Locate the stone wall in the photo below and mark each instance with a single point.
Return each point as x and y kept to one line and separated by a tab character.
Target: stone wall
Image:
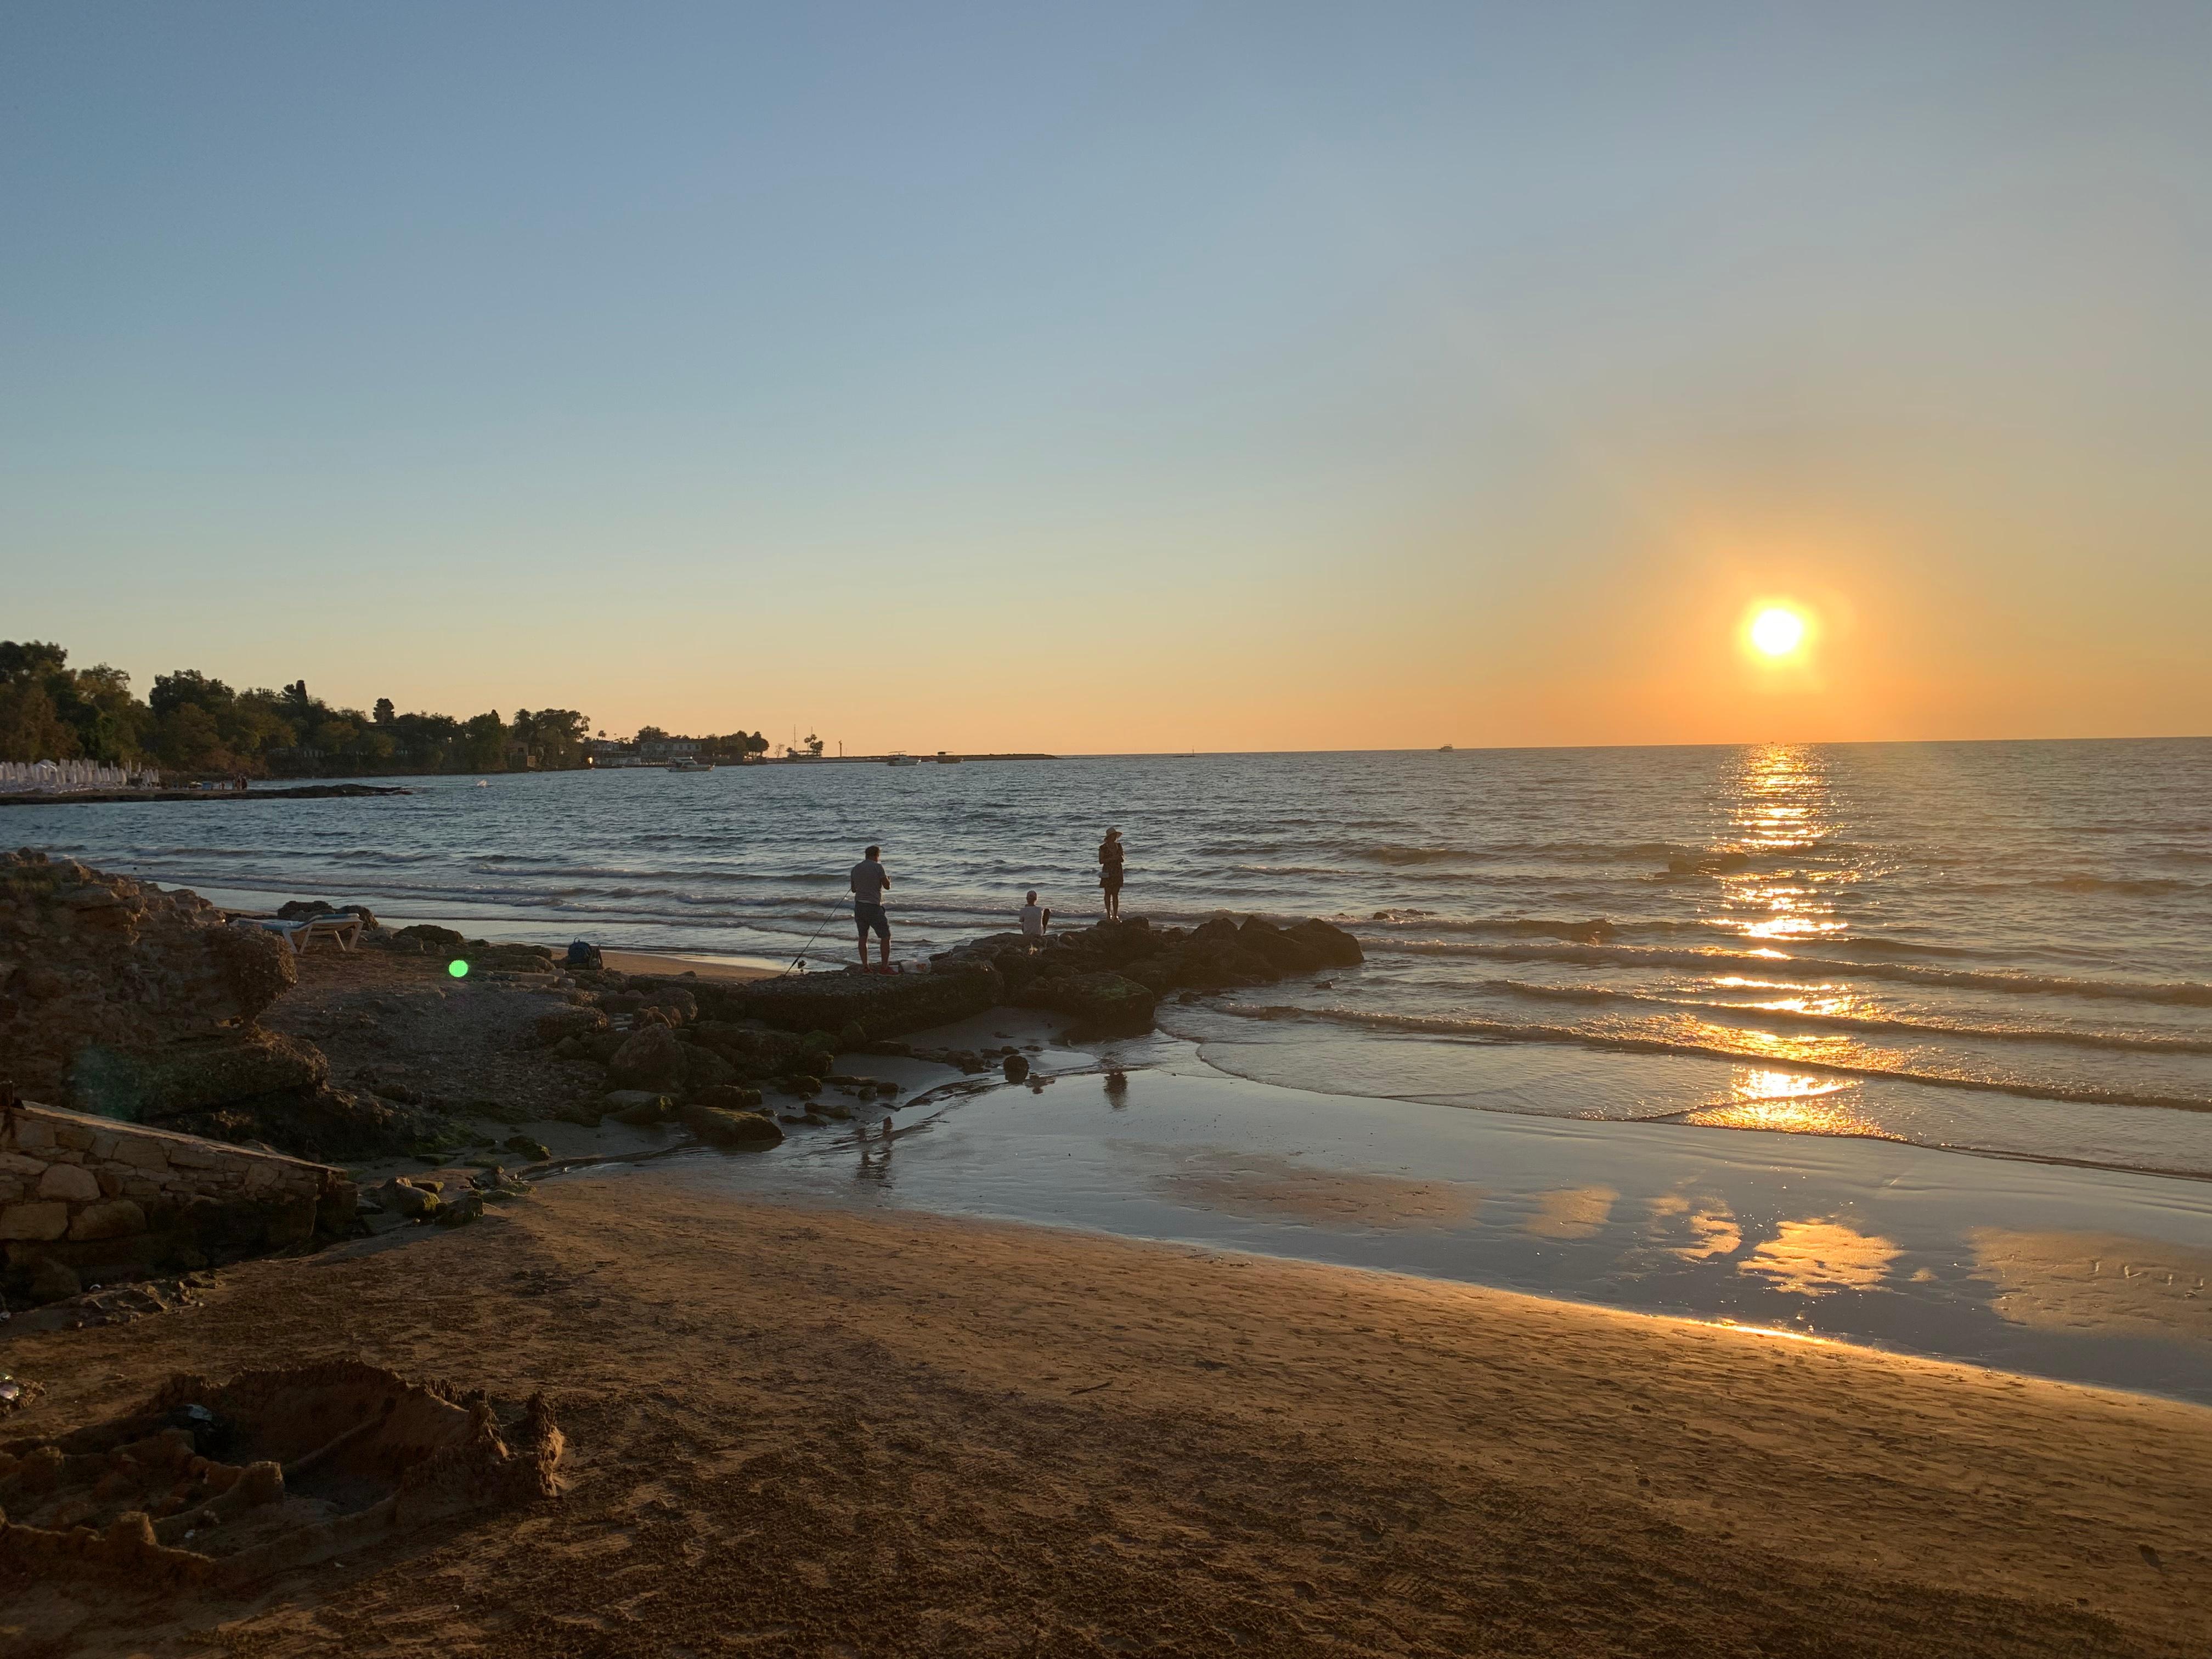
82	1195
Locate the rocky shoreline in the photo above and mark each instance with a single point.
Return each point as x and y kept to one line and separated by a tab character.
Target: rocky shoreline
138	1006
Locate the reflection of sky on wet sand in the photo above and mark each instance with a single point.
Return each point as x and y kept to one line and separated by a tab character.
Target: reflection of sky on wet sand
1571	1212
1819	1258
2098	1282
1280	1188
1695	1230
2018	1264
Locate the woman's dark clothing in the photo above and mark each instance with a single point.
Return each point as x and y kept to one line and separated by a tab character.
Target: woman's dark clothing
1110	866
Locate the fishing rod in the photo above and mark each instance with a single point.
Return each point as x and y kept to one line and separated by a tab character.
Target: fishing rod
798	961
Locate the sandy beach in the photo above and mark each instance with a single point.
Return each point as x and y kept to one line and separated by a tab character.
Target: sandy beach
804	1433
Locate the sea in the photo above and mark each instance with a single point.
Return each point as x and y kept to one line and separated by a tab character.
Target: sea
2002	948
1908	1045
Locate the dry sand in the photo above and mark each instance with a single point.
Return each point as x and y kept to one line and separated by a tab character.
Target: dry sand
798	1432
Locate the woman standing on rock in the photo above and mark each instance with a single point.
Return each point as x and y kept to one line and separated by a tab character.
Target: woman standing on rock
1110	874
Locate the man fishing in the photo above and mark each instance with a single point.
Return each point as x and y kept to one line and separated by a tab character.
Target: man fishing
870	883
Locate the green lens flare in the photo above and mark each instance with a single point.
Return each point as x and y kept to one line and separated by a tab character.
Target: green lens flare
458	969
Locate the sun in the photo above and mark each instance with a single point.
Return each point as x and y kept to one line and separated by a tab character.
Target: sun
1777	630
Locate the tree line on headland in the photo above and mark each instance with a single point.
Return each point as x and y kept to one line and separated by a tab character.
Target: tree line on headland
191	724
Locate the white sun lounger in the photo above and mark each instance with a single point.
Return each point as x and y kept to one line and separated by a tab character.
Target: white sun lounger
342	926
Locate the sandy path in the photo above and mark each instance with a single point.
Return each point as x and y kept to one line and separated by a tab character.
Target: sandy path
808	1433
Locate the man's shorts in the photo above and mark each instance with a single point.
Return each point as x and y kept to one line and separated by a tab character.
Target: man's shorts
871	915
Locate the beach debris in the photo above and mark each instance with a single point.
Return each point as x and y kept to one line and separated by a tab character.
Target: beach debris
221	1485
15	1393
2150	1557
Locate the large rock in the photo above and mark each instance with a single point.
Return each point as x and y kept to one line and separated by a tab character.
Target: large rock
90	959
403	1198
194	1076
1102	1004
1108	978
653	1059
752	1130
881	1005
118	1218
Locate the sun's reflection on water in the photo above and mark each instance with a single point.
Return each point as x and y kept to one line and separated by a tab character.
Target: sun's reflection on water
1780	806
1797	1102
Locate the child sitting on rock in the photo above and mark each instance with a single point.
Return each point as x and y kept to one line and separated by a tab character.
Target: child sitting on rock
1035	922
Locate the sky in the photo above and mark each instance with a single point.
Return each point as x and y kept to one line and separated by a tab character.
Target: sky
1083	378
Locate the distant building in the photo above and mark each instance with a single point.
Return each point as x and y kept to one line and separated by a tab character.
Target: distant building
665	749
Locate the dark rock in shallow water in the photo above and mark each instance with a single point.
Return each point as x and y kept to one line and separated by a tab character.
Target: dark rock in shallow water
1107	979
1102	1004
1016	1068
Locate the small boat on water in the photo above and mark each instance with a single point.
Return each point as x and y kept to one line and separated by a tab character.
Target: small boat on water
1444	748
900	757
943	759
685	764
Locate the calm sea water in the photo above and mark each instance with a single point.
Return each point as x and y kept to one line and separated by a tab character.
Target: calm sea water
2000	947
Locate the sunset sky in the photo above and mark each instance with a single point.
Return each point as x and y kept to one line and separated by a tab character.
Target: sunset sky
1130	377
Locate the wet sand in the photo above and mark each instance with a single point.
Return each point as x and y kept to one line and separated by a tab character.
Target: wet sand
820	1431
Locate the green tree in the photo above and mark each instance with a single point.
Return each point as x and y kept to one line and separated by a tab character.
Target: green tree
33	725
31	728
112	725
483	742
190	741
31	657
